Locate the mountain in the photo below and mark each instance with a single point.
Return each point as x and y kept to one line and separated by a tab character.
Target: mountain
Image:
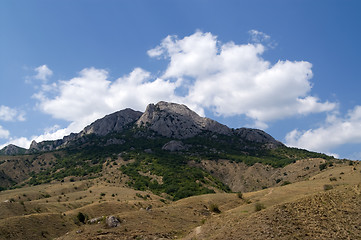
169	173
167	142
12	150
114	122
169	120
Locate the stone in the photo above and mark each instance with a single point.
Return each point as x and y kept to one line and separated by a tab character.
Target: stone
94	220
112	221
148	150
174	146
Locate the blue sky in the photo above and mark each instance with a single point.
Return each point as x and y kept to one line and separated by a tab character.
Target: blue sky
288	67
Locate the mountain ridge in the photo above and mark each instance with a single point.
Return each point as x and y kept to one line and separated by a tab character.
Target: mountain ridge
170	120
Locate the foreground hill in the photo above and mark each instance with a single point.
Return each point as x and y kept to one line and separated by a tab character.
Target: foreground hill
325	206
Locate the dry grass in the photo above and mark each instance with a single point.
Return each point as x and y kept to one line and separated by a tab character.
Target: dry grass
49	211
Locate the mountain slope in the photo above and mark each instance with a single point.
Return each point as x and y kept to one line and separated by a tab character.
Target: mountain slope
304	210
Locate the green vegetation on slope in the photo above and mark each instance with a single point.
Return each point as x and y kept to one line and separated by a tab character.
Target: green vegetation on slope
178	179
175	177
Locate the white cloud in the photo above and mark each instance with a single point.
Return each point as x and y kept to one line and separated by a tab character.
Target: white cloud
233	79
225	78
52	133
261	37
4	133
43	73
21	142
257	36
336	131
10	114
90	96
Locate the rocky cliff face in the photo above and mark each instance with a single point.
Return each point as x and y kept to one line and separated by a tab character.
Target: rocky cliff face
258	136
12	150
178	121
114	122
170	120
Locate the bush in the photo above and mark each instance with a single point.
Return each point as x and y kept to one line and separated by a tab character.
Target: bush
285	183
323	166
327	187
214	208
81	217
240	195
259	206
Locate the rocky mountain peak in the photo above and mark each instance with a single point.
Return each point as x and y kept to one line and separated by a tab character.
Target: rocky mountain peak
12	150
177	121
114	122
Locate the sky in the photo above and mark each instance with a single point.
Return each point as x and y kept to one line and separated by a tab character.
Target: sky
290	68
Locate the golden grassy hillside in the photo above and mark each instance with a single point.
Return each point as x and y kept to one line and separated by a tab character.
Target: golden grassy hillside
301	210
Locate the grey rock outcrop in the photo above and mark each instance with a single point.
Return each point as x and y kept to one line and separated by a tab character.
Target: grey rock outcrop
114	122
257	136
114	141
174	146
178	121
112	221
12	150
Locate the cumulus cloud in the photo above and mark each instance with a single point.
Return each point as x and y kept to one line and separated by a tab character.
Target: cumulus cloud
51	133
21	142
335	131
4	133
43	73
83	99
10	114
233	79
227	78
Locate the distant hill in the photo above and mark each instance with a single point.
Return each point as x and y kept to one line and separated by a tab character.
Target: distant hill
12	150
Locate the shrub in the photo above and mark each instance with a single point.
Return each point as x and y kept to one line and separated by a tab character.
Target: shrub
327	187
240	195
259	206
214	208
285	183
81	217
323	166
